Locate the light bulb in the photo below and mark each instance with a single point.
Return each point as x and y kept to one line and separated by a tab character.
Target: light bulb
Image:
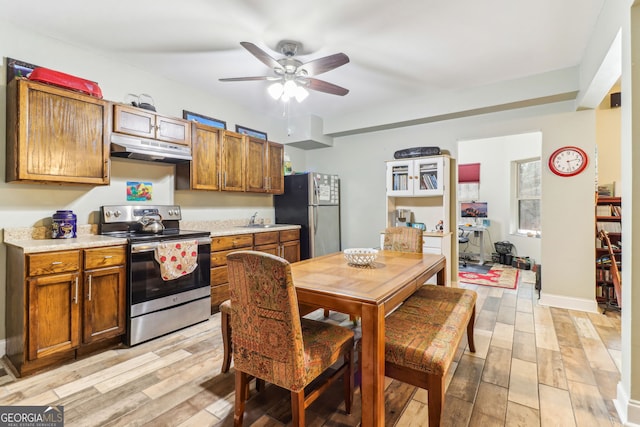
290	88
301	94
275	90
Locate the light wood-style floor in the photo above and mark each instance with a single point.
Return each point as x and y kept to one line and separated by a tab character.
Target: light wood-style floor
534	366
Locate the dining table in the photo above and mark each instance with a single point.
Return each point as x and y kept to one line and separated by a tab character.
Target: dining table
369	292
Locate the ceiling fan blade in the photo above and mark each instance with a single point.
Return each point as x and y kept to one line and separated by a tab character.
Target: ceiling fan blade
261	55
247	79
322	86
322	65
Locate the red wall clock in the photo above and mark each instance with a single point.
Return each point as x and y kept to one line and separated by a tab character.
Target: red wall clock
568	161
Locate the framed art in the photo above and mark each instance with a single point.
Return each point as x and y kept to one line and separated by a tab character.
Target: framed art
210	121
251	132
17	68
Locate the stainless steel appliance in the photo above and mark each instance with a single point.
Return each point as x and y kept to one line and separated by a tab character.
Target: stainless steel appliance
156	306
311	200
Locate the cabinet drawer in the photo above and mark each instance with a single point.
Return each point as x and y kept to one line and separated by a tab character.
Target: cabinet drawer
289	235
220	258
231	242
219	275
104	257
53	262
265	238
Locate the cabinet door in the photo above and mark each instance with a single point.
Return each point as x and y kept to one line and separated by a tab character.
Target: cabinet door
276	171
56	135
257	164
400	178
291	251
104	313
54	314
428	176
273	249
134	121
173	130
203	172
232	162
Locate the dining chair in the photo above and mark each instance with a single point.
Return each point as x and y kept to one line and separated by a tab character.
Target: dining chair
403	239
271	342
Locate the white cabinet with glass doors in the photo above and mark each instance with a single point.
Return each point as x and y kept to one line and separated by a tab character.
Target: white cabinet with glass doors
416	177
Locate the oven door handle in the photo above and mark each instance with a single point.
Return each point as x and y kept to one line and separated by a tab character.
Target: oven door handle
151	246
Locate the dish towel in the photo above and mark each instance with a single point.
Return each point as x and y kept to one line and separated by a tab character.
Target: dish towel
177	259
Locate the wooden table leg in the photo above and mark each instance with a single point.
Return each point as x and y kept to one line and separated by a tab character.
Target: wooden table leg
372	386
441	280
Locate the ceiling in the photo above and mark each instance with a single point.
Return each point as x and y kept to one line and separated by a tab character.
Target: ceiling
399	49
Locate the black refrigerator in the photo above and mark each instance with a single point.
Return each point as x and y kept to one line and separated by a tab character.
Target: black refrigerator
311	200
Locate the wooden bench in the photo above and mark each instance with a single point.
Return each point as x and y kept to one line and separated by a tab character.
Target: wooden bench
422	336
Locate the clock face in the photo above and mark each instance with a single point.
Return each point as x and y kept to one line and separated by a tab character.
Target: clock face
568	161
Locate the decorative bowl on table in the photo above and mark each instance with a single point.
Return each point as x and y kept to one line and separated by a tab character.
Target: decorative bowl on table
360	256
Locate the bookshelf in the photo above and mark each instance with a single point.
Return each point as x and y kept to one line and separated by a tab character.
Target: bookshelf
608	218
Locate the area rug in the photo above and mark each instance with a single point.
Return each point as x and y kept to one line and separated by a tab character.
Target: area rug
501	276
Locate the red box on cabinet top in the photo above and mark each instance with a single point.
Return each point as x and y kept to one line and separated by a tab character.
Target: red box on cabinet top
67	81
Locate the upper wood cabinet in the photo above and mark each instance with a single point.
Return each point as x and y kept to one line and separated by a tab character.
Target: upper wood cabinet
264	166
56	135
147	124
203	172
233	161
218	161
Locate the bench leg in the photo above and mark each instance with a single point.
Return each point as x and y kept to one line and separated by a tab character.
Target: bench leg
225	325
435	398
470	325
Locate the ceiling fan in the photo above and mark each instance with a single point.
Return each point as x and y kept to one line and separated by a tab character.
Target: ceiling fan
291	76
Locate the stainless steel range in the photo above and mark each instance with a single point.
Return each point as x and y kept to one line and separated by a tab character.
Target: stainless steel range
160	300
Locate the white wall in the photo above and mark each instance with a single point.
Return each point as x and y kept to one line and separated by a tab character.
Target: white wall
495	156
567	203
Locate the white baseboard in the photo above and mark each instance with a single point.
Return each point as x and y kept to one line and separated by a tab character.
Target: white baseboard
628	410
570	303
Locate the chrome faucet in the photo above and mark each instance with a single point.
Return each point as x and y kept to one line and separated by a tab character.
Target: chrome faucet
252	220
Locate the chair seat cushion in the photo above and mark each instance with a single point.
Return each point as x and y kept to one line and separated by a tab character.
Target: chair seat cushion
322	345
424	332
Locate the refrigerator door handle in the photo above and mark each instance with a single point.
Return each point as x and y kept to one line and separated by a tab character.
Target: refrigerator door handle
315	219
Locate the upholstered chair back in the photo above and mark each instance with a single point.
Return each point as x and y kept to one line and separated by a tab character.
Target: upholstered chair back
403	239
267	333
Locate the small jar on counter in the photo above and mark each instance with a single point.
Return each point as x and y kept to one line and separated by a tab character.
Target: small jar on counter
63	225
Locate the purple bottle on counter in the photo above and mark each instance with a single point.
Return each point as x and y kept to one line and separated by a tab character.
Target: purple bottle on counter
64	225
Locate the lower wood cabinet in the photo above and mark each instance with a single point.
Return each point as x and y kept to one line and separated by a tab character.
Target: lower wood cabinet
58	305
220	247
285	243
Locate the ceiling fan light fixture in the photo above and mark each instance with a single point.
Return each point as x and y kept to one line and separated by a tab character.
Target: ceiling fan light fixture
290	88
276	90
301	93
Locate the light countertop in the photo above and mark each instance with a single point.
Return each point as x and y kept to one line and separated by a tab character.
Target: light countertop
34	239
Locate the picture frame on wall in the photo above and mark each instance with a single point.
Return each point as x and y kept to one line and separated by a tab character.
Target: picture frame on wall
17	68
205	120
251	132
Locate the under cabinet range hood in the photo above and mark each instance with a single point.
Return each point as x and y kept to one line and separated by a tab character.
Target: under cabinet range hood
131	147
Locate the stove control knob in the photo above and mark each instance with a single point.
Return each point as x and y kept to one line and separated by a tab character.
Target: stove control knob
117	213
170	212
107	214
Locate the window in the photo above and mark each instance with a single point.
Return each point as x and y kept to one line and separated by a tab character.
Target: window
527	197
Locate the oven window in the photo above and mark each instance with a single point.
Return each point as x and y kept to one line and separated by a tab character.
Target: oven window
147	284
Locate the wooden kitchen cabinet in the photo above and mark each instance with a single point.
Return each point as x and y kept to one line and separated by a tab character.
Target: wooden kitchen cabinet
56	135
285	243
220	248
104	312
264	166
233	161
56	309
136	121
203	172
